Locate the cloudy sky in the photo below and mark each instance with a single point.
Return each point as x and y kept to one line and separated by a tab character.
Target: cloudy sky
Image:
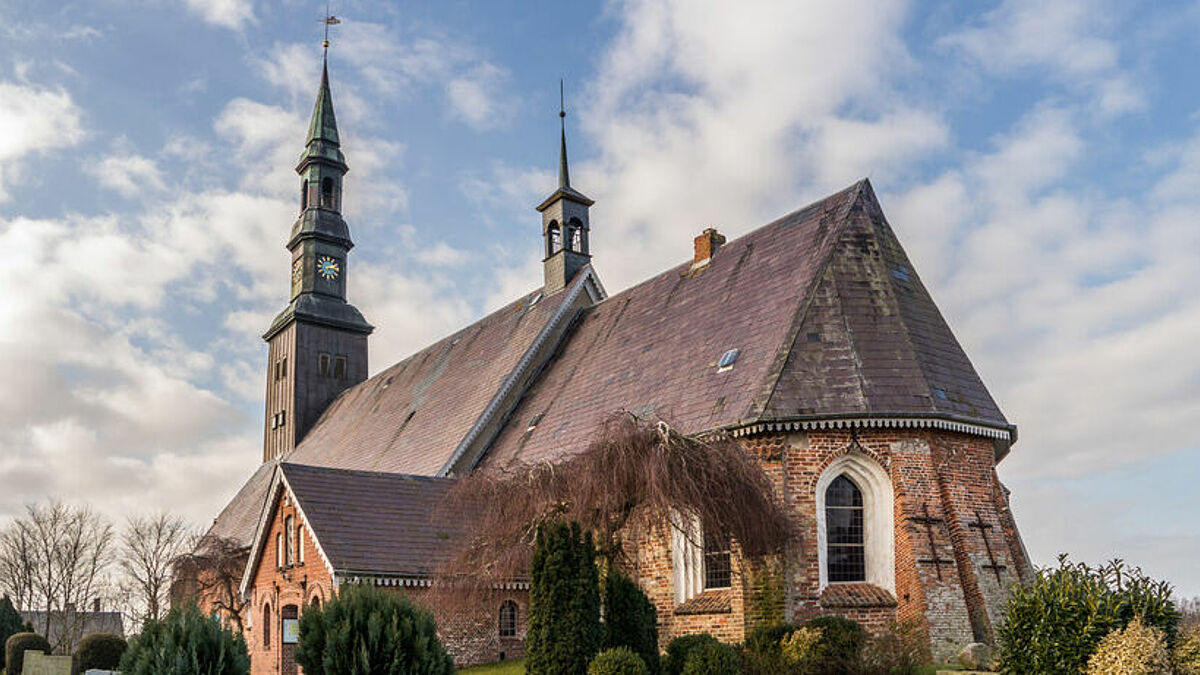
1040	162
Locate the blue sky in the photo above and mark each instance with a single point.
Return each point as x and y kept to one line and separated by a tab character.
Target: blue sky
1040	163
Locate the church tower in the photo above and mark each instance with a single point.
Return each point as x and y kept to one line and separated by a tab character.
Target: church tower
318	343
564	224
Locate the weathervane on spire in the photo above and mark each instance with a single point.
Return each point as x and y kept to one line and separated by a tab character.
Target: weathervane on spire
329	20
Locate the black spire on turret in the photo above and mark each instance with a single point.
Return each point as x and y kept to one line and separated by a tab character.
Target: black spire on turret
564	173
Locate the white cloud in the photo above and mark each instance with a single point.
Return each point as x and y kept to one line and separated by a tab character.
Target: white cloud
33	120
128	174
232	14
474	97
1069	38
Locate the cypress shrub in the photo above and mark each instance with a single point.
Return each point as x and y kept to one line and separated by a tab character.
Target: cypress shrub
713	658
102	651
617	661
185	642
679	649
564	602
15	646
365	631
630	619
10	624
1054	624
840	647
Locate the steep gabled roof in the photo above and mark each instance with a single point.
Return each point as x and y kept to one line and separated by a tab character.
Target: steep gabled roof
365	522
375	522
829	319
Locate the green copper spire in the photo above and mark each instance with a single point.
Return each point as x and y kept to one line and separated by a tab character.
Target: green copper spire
564	173
324	125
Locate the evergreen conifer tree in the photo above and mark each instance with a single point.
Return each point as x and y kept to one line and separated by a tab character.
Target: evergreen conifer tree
10	624
630	619
564	602
185	642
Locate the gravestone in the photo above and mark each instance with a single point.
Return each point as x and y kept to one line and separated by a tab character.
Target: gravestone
38	663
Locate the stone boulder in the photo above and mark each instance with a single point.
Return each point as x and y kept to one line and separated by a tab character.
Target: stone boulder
976	656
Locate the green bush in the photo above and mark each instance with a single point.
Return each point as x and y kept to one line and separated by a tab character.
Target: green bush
10	624
630	619
1187	652
617	661
900	650
564	602
1136	649
765	639
185	642
363	631
1054	624
679	649
15	646
713	658
102	651
841	645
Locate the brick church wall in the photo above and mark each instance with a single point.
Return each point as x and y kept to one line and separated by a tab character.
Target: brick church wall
946	501
469	629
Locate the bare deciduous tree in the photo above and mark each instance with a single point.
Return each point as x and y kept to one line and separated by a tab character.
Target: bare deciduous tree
148	549
212	572
627	482
55	559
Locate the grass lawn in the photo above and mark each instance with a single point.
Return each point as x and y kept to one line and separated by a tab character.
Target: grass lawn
503	668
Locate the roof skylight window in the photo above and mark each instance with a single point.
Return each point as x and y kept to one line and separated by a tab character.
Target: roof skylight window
727	360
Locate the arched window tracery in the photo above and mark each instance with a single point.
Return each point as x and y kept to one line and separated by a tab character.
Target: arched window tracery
508	619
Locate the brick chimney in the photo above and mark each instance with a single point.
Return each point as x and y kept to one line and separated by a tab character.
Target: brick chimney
96	605
706	246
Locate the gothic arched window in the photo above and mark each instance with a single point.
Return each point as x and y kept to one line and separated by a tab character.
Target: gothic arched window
553	239
576	236
289	529
266	626
303	194
844	532
508	619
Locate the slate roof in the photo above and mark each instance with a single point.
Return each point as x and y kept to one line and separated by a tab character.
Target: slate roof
829	318
827	314
410	417
376	522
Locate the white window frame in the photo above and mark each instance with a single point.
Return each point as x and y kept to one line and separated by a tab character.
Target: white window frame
687	556
879	535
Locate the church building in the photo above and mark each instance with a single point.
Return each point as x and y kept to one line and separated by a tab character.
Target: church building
811	340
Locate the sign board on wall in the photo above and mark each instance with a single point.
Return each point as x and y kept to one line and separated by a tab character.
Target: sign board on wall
291	631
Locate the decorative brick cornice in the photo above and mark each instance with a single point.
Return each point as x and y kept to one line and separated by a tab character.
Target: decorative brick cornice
945	423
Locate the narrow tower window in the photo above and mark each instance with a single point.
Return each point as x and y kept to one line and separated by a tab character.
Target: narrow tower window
339	368
576	231
267	626
289	527
303	195
844	531
553	239
327	193
323	365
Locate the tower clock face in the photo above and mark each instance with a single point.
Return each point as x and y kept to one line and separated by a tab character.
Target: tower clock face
328	268
297	270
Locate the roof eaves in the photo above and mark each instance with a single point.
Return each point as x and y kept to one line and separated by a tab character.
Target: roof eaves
260	531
